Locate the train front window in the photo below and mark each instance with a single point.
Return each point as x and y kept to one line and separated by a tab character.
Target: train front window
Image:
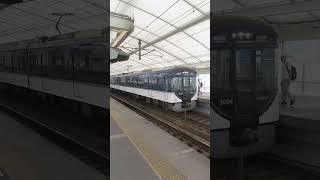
244	69
176	85
221	69
193	83
266	73
186	82
255	70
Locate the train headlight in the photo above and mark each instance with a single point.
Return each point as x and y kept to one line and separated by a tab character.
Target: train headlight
242	35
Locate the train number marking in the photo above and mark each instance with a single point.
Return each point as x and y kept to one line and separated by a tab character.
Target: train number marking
226	101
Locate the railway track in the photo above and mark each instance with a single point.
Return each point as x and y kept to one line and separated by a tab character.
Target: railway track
196	135
87	154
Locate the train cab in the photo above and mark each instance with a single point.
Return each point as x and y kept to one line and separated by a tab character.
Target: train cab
183	84
243	83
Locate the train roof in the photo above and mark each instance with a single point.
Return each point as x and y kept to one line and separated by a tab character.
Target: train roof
97	37
170	70
230	24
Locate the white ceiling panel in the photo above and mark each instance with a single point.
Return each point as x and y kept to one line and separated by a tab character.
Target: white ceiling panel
154	20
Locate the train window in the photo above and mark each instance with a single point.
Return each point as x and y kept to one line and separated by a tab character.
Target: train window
176	84
128	82
17	62
84	63
153	83
57	63
186	81
193	83
160	83
140	82
221	69
266	76
23	62
146	82
2	61
98	64
32	59
123	80
167	83
244	68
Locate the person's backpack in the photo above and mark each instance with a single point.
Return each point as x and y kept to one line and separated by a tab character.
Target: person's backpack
201	84
293	73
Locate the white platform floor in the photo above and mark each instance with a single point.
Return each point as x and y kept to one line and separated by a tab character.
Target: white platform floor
166	156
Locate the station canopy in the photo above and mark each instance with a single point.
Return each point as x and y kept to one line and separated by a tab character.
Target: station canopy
292	19
28	19
171	32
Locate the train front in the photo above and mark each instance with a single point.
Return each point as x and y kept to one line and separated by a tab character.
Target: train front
184	85
243	86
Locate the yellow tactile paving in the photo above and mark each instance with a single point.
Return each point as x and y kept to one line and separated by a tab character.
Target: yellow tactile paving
162	168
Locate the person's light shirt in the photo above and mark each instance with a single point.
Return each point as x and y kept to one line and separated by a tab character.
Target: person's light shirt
285	70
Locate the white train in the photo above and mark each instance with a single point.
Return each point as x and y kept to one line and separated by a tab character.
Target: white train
75	70
176	87
244	94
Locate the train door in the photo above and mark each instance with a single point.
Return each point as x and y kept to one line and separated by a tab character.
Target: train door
76	70
151	85
166	87
43	68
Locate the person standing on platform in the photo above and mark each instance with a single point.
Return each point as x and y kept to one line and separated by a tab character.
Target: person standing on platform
199	87
287	74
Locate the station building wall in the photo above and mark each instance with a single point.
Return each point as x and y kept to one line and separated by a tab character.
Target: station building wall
305	56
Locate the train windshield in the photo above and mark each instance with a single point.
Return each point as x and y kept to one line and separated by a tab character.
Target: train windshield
183	83
221	69
253	69
176	84
243	79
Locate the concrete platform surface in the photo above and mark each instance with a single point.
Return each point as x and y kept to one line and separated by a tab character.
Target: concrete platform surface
126	161
168	157
25	155
204	97
307	107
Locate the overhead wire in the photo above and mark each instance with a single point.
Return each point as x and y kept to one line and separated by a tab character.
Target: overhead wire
177	19
157	17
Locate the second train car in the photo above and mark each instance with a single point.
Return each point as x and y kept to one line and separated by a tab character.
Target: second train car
74	69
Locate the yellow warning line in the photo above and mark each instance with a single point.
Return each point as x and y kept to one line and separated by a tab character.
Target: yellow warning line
161	167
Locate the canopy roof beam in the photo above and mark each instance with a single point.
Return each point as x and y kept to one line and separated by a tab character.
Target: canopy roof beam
181	29
123	25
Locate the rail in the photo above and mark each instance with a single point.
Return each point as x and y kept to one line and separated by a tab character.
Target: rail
93	158
199	143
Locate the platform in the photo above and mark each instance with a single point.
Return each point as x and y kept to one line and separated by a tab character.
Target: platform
25	155
161	155
307	107
298	131
125	156
203	103
205	97
305	114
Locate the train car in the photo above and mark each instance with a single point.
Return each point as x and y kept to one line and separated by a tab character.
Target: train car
244	92
72	69
176	87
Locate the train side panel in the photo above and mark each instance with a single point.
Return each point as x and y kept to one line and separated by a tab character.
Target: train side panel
168	97
14	79
83	92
